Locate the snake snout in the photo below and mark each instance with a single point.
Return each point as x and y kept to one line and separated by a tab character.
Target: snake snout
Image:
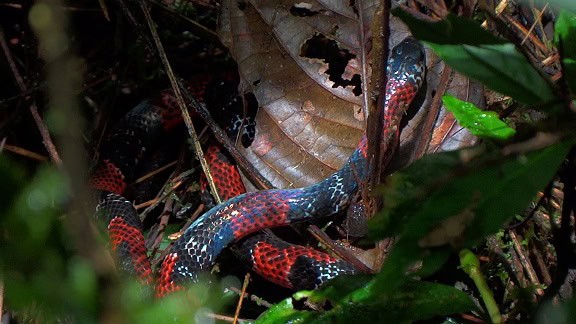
408	61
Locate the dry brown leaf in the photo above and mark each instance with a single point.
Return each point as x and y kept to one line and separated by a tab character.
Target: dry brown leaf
311	112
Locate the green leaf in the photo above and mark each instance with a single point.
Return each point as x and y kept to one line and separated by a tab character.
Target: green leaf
509	187
472	51
415	300
283	312
466	200
565	40
451	31
478	122
341	290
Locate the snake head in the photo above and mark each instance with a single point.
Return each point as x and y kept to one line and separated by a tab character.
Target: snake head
407	62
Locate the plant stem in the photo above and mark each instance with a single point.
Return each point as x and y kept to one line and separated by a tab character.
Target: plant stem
470	264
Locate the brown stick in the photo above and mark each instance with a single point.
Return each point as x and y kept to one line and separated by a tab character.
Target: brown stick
242	294
376	110
42	128
338	250
24	152
181	104
432	113
525	262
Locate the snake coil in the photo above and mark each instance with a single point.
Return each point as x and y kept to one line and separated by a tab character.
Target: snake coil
200	244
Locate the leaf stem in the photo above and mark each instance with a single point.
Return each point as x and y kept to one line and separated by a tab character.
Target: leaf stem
470	264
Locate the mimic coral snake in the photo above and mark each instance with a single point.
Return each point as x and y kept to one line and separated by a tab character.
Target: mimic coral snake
196	250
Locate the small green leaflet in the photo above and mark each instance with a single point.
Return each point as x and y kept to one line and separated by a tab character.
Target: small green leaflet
479	122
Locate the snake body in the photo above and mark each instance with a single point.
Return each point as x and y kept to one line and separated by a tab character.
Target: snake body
200	244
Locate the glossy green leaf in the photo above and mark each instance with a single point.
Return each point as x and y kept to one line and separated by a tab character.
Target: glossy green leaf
283	312
565	40
469	49
479	122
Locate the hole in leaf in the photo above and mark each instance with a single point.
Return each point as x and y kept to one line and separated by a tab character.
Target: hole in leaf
321	47
302	10
352	3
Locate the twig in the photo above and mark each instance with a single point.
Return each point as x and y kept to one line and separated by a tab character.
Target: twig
156	236
376	142
136	25
155	172
199	29
518	269
222	138
242	293
253	298
226	318
181	104
498	11
527	35
472	319
525	262
543	269
511	36
42	128
493	246
338	250
24	152
174	236
432	114
536	21
151	204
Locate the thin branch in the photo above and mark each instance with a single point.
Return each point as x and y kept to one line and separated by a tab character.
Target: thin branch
253	174
181	104
525	262
241	299
338	250
381	32
432	114
42	128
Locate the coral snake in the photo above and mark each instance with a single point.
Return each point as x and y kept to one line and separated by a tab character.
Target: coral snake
198	247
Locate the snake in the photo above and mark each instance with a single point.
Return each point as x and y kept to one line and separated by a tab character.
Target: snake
240	219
